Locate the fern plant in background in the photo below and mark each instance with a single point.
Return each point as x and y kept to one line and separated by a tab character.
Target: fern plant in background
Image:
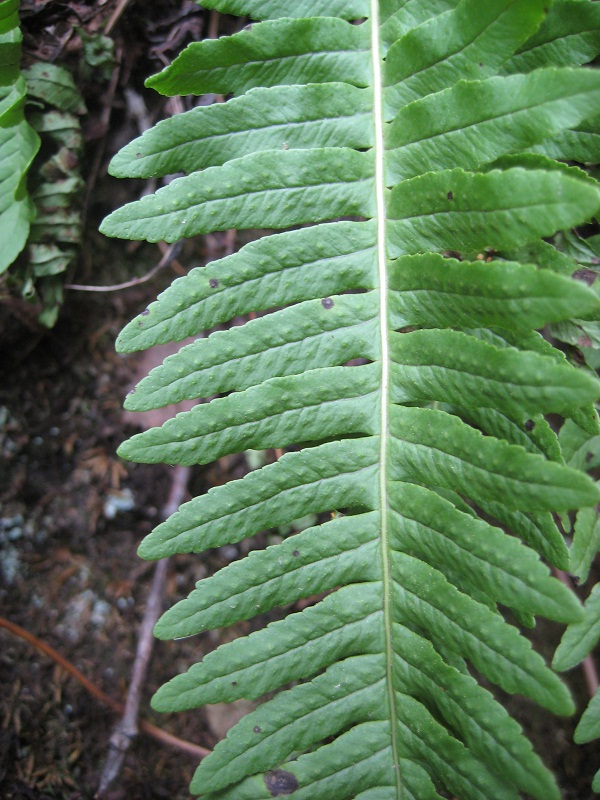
583	452
56	187
410	148
40	200
579	639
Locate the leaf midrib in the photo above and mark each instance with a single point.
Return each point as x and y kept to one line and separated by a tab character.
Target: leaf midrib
380	193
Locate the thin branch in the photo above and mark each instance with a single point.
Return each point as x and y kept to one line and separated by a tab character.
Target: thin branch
127	728
121	6
213	25
168	257
590	674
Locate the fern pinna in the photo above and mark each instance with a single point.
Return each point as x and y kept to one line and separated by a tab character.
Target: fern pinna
409	146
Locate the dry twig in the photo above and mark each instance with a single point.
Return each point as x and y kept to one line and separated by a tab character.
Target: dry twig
168	257
121	6
145	727
127	728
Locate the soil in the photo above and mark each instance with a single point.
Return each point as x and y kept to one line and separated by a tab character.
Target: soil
72	513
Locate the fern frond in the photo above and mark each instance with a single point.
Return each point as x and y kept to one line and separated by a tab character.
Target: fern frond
397	353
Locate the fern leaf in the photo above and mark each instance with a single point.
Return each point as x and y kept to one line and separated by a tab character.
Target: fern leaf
581	452
581	637
589	729
273	9
54	86
286	51
18	141
578	641
397	355
569	35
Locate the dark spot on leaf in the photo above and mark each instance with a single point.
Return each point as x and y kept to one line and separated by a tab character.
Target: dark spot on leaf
279	782
327	302
257	729
213	283
529	425
138	155
481	63
234	683
585	275
450	196
588	457
296	553
146	312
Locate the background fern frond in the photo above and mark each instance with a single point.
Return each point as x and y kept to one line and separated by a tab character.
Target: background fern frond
397	354
579	640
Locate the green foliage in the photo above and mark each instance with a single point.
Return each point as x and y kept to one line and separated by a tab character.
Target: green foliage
397	356
583	452
40	215
18	141
56	185
578	641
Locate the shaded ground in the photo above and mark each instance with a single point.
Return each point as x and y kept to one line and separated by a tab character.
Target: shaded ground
72	513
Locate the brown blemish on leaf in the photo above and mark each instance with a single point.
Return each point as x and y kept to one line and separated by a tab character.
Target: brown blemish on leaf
327	302
213	283
529	425
257	729
450	196
279	782
145	313
585	275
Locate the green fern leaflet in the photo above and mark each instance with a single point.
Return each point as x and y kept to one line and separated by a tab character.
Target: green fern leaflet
406	146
